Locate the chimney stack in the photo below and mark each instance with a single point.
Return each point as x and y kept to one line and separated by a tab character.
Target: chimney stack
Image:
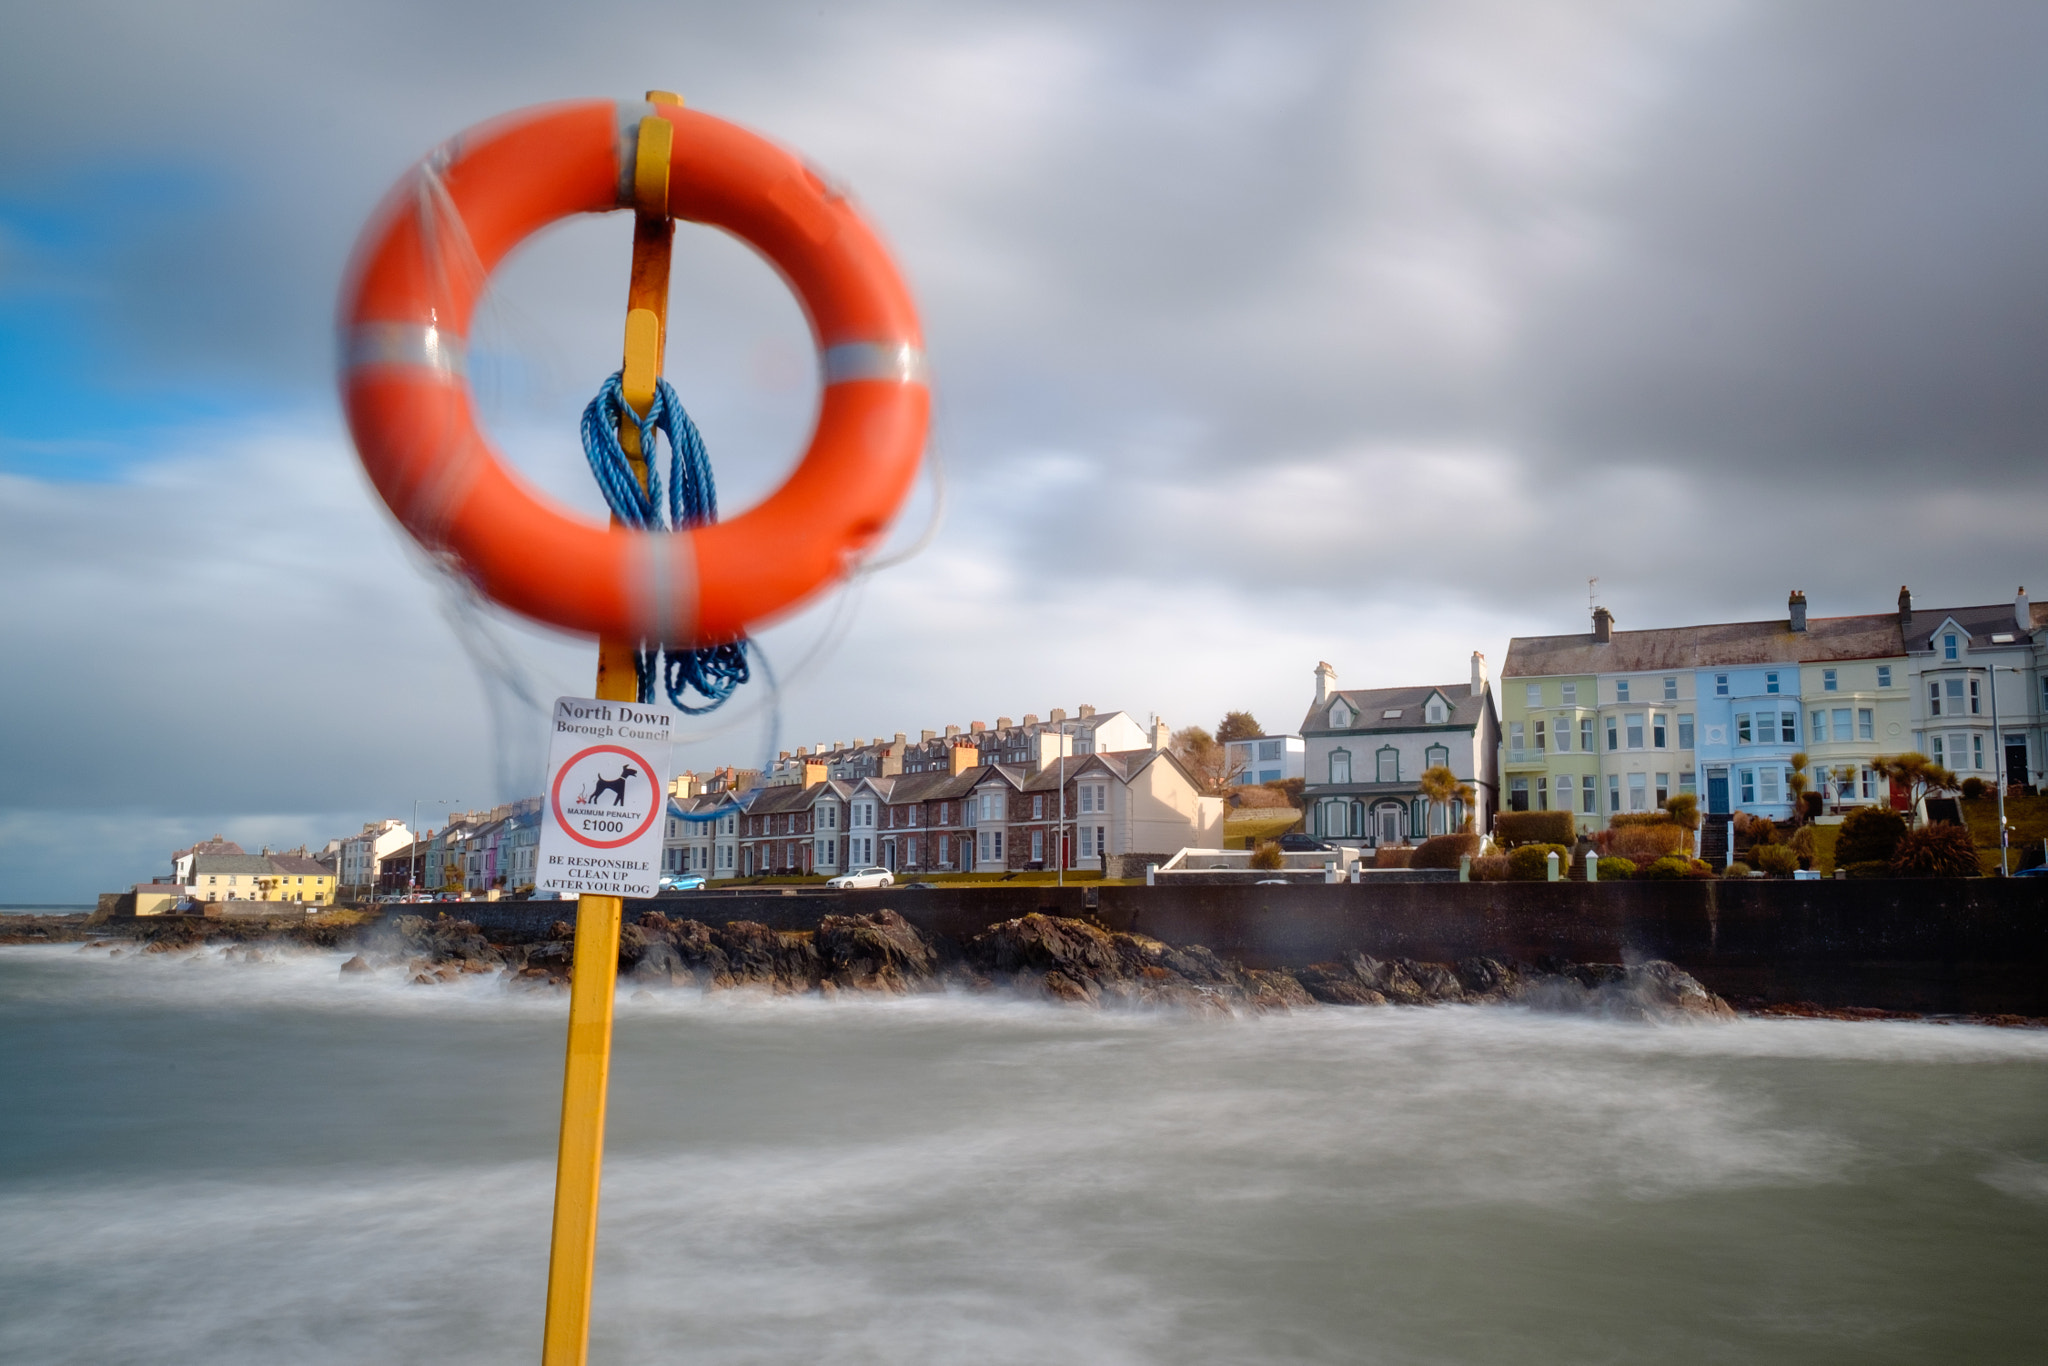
1087	710
1326	682
1603	625
2022	610
1478	674
1160	736
1795	607
961	758
1030	719
1002	723
977	726
952	731
1905	607
1059	713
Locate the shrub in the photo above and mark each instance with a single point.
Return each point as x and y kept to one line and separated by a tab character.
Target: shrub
1871	834
1266	856
1973	789
1645	842
1444	851
1530	862
1936	851
1755	829
1867	868
1490	868
1625	820
1512	829
1736	870
1616	869
1812	803
1670	867
1392	856
1776	859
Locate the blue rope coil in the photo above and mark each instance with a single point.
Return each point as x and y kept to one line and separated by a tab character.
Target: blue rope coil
714	671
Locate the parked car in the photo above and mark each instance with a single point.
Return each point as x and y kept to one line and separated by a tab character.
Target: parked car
1303	844
864	877
681	882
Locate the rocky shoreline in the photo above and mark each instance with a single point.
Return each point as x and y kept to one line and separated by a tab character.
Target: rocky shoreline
1033	957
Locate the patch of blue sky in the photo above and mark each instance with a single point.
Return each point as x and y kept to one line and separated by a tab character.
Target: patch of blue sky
73	406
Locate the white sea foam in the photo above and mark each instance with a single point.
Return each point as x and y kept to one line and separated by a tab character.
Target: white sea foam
350	1170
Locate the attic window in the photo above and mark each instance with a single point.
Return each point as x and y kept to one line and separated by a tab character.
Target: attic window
2002	638
1391	714
1340	715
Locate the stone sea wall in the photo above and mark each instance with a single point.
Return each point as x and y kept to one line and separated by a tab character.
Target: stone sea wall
1963	947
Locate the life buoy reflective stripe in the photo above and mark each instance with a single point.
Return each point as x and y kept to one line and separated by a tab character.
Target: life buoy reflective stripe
421	268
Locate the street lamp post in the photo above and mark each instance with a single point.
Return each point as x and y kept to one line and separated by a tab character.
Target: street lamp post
1998	762
412	871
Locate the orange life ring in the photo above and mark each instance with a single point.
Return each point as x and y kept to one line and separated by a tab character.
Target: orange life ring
420	269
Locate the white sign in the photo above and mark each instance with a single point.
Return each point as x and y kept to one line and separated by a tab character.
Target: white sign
601	821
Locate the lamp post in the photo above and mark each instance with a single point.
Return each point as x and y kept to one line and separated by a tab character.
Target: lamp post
412	871
1998	760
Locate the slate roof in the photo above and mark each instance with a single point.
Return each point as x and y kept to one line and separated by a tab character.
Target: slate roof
1981	622
299	866
230	865
1371	705
1875	635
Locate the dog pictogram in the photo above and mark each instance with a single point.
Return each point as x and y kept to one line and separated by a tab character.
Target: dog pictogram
615	786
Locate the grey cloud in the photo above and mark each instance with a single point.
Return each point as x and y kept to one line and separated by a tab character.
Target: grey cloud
1263	334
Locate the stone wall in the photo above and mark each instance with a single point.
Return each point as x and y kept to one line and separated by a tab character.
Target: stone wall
1977	946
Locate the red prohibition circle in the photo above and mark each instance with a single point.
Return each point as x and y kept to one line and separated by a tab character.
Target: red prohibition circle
555	796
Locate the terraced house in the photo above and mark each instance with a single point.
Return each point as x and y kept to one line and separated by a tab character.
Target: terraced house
1614	721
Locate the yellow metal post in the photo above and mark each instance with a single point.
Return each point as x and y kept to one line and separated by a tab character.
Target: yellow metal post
593	974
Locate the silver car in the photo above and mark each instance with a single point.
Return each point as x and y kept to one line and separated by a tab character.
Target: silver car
864	877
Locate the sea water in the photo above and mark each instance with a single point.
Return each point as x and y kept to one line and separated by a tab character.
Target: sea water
212	1161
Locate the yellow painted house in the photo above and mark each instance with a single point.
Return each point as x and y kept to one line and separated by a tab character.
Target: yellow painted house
261	877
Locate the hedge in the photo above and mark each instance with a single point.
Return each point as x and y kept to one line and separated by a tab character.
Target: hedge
1444	851
1514	829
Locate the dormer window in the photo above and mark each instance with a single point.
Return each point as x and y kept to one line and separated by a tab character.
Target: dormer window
1948	647
1340	715
1434	712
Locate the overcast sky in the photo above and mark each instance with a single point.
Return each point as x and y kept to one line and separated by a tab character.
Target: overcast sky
1262	334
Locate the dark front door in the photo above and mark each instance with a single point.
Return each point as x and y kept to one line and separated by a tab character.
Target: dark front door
1717	792
2016	761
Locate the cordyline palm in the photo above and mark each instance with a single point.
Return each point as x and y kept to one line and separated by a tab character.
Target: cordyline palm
1440	786
1918	774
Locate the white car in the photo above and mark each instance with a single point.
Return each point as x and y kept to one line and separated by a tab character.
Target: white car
864	877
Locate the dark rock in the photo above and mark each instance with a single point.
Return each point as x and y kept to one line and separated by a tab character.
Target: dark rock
1042	943
876	952
1275	992
443	940
1488	981
1651	991
1079	963
354	965
784	961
